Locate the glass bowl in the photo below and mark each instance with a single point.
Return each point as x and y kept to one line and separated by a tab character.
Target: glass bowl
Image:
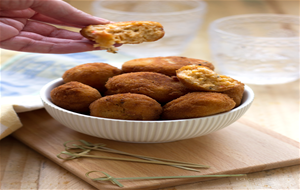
259	49
181	21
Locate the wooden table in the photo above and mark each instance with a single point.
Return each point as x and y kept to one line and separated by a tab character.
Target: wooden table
275	107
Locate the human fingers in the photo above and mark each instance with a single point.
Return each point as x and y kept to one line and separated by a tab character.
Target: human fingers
56	9
31	14
47	19
54	38
64	12
10	27
15	4
24	13
50	20
51	31
30	42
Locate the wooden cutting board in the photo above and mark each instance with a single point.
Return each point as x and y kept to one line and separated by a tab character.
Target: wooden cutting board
243	147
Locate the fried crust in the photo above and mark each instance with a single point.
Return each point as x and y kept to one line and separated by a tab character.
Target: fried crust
197	104
165	65
92	74
129	32
158	86
199	78
74	96
126	106
236	93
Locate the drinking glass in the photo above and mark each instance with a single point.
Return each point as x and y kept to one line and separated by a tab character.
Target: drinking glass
181	21
261	49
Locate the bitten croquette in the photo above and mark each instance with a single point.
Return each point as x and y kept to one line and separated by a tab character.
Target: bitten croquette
199	78
106	36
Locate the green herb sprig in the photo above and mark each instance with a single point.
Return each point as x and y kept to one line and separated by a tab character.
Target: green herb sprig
82	150
115	181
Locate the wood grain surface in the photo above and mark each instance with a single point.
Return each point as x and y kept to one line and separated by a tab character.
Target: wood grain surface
276	108
243	147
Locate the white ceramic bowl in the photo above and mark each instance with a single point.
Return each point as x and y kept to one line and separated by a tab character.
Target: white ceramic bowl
142	131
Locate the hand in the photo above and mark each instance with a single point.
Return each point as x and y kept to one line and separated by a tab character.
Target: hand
23	26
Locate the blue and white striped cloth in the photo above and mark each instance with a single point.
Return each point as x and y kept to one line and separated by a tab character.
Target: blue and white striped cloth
24	75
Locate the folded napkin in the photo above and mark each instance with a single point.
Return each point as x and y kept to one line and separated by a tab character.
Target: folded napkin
25	74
